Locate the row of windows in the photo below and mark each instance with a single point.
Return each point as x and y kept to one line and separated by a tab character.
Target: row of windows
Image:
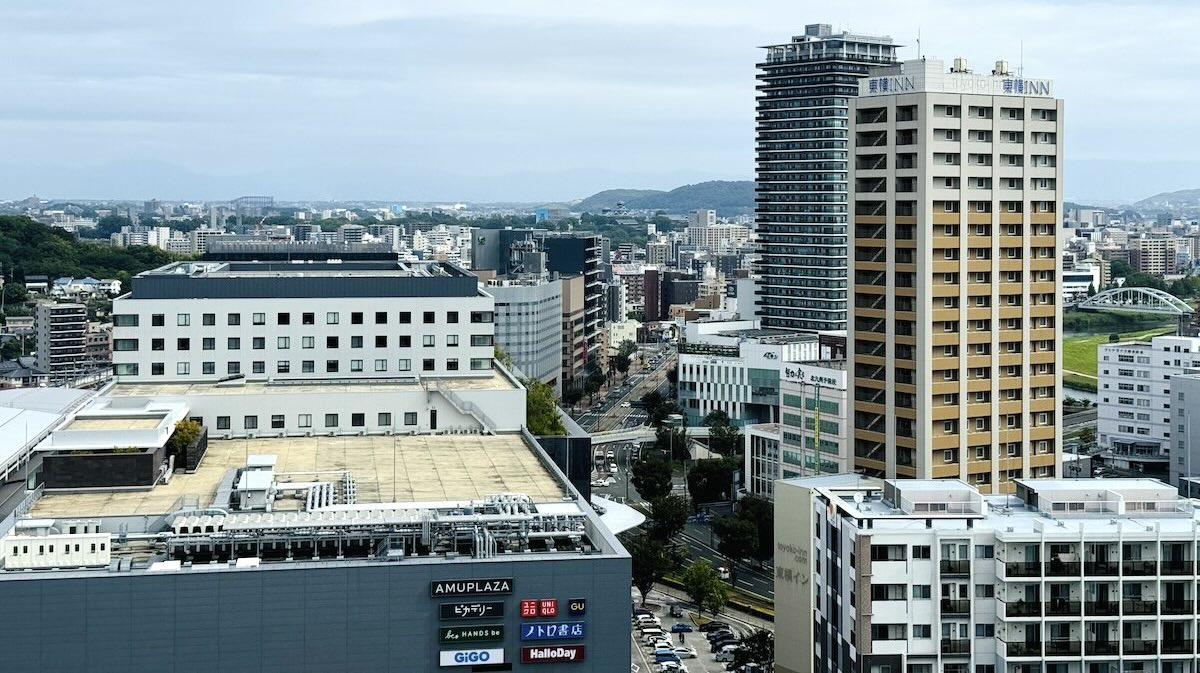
285	342
42	550
234	368
285	318
278	421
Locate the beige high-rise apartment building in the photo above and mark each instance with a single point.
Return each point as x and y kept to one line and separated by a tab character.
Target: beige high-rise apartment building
955	185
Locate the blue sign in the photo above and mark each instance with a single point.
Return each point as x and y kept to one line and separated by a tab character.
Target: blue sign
551	630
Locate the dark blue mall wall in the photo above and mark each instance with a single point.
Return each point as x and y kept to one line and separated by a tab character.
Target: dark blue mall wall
317	617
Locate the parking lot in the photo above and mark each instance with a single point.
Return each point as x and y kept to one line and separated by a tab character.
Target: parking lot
703	662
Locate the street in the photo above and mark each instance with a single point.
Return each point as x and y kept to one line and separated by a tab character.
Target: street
608	412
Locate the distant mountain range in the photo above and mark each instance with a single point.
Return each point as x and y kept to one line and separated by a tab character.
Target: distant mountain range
727	197
1182	200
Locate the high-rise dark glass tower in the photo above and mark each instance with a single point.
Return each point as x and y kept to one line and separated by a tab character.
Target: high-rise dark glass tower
800	203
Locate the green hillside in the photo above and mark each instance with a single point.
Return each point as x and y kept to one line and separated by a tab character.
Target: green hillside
727	197
29	248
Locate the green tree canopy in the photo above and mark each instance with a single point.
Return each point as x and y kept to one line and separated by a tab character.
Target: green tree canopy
737	539
541	413
704	586
627	348
651	561
668	515
186	432
716	418
757	648
710	480
761	513
652	478
672	442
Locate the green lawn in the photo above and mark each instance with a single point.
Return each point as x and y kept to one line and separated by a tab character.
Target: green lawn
1079	353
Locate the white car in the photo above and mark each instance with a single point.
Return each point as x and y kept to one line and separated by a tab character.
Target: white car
723	573
625	405
672	667
684	652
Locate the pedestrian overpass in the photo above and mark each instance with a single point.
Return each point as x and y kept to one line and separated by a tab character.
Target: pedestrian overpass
1137	300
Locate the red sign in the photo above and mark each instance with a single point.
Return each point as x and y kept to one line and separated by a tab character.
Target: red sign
549	654
529	608
548	607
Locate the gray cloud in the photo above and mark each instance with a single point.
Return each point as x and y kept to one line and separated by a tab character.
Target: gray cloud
522	99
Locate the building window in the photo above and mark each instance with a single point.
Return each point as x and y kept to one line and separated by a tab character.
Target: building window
429	317
921	551
358	420
452	340
209	343
283	343
452	317
921	631
222	422
258	318
404	341
157	368
258	367
381	317
405	317
427	365
482	340
331	420
283	367
920	591
125	369
478	364
331	366
233	343
234	319
183	319
481	316
258	343
380	341
183	344
125	320
308	318
452	364
283	319
427	340
304	421
356	342
404	365
331	342
250	422
157	320
308	367
356	318
208	319
308	342
158	344
331	318
233	368
381	365
208	367
125	344
277	421
410	418
183	368
356	365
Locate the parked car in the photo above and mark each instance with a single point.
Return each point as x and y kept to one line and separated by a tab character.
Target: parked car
726	653
714	636
685	652
713	625
642	611
680	627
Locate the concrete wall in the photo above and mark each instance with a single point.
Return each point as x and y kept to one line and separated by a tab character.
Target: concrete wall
354	616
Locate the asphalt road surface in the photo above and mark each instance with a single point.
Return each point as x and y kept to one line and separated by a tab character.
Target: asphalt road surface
749	577
608	414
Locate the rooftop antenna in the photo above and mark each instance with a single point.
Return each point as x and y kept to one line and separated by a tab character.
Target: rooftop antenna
1021	61
919	53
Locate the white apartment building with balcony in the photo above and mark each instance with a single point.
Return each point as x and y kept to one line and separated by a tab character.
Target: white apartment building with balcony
1134	405
61	331
931	576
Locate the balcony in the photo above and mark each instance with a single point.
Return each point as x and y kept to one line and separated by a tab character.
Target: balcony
955	606
956	646
1142	568
1058	568
1024	649
1023	609
1101	648
1139	647
1063	648
1138	607
1173	646
1180	607
1107	568
1177	568
960	567
1062	608
1101	608
1023	569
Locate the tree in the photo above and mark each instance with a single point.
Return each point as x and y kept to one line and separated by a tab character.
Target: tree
503	356
710	480
591	386
672	442
572	394
668	514
756	648
1091	290
1087	438
738	539
761	513
1119	268
541	413
652	478
704	586
1139	279
716	418
622	363
15	293
724	440
186	432
627	348
651	561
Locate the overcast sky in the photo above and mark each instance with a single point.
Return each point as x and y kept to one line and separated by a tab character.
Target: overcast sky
521	99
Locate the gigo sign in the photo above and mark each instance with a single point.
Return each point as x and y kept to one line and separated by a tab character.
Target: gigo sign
471	657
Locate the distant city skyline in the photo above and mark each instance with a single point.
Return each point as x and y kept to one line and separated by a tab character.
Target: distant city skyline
522	101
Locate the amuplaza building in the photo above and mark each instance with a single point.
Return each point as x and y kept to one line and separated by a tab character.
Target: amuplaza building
931	576
955	314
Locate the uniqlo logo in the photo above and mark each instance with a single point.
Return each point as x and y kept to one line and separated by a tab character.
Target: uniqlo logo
529	608
548	607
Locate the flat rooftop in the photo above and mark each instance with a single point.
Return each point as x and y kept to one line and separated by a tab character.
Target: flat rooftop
386	469
114	423
492	381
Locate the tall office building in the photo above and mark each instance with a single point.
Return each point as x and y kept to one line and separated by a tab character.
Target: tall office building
800	214
955	315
